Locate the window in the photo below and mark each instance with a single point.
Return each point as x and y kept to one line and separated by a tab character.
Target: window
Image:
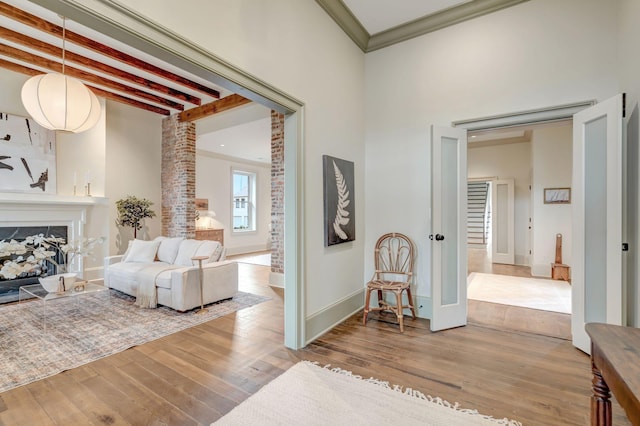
244	201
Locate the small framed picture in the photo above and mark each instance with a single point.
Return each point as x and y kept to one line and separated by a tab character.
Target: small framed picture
202	204
557	195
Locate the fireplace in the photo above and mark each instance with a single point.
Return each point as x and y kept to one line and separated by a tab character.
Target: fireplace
33	211
9	287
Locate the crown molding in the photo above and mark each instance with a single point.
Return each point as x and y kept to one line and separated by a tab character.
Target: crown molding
345	20
368	43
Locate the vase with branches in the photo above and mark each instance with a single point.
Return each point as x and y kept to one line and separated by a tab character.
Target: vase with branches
132	210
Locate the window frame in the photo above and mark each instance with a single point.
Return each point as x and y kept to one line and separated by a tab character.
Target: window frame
251	201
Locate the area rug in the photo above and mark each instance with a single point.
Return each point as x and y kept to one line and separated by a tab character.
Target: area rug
310	395
535	293
81	331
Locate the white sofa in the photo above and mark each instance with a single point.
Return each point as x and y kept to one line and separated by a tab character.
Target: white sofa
165	265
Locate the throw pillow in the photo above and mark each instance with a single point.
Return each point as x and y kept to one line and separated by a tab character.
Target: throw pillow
211	249
168	249
186	251
142	251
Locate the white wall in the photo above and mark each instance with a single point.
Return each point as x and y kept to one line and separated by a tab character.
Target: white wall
133	159
532	55
295	46
552	165
213	182
512	161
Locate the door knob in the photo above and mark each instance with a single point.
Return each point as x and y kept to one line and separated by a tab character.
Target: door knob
439	237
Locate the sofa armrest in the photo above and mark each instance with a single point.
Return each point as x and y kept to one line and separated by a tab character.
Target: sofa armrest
110	260
219	281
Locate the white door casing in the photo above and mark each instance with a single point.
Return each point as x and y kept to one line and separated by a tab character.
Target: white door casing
448	227
502	221
597	282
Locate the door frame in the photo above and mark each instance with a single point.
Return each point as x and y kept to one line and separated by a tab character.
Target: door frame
131	28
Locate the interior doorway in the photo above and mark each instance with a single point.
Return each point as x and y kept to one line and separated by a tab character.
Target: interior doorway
522	286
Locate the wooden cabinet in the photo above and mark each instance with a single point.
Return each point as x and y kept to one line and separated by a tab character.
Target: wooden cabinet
210	234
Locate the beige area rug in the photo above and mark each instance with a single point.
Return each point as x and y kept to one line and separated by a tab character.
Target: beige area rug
535	293
81	331
310	395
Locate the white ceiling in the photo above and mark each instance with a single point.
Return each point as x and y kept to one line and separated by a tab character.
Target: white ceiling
380	15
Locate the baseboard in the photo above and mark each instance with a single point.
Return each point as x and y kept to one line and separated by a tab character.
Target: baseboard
231	251
93	273
522	259
541	270
327	318
276	279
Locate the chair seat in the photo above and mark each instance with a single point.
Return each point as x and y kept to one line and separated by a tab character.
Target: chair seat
387	285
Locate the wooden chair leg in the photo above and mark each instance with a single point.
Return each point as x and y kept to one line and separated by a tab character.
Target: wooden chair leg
380	298
366	307
399	308
410	299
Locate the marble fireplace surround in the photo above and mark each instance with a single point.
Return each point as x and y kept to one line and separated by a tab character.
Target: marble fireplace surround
18	209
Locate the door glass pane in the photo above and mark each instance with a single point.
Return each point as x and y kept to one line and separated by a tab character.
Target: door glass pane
449	221
595	231
502	212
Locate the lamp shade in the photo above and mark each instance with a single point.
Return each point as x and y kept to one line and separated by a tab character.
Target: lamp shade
59	102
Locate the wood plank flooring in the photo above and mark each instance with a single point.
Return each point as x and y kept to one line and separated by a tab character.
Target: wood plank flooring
196	376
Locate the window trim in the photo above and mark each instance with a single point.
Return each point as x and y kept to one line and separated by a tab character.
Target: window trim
251	202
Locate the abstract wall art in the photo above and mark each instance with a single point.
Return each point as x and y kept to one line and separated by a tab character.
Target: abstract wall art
27	156
339	203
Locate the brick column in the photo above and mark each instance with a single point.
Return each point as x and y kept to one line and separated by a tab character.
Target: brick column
277	192
178	178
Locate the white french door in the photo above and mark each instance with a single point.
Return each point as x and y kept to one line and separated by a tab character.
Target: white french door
597	282
448	227
502	222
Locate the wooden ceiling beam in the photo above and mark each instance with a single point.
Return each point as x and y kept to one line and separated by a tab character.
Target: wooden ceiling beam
43	25
39	61
224	104
50	49
99	92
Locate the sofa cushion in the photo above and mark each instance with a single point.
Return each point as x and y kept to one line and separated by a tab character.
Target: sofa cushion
186	251
168	249
211	249
142	251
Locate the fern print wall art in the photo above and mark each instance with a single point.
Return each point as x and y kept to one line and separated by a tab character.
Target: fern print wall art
339	202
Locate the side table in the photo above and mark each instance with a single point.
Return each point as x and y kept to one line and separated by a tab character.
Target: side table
200	259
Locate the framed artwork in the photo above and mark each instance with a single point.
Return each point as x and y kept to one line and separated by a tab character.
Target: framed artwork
557	195
339	203
202	204
27	156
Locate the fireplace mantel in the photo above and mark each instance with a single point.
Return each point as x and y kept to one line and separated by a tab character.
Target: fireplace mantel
28	198
25	209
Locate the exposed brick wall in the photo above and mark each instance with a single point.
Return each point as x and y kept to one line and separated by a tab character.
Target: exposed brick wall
277	192
178	178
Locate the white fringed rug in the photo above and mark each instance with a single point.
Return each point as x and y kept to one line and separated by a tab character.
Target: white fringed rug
309	395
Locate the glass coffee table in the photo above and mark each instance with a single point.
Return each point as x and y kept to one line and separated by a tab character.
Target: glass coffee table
80	290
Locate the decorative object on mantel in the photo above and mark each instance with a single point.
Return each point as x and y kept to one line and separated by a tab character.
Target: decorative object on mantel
27	156
131	212
59	102
339	205
35	254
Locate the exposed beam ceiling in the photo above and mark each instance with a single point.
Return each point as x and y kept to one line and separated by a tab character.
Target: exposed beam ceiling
350	24
31	45
224	104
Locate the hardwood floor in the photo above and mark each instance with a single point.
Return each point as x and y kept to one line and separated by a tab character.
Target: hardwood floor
196	376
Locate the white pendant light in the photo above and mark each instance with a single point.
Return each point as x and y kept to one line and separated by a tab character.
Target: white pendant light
59	102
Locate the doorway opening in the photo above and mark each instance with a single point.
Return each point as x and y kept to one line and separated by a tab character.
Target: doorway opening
512	232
